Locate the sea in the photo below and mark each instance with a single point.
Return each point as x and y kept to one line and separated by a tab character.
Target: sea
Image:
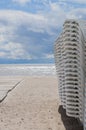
27	70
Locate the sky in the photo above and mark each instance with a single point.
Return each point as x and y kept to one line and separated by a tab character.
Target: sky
29	28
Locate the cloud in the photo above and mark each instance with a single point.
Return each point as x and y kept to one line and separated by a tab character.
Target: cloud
26	35
20	36
57	14
21	2
11	20
48	56
79	13
35	22
2	54
13	51
75	1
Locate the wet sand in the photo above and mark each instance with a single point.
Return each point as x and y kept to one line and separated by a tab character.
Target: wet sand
34	105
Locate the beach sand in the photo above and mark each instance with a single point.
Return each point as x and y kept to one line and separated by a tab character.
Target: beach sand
34	105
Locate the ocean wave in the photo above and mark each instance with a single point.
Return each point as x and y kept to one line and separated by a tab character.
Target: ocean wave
27	70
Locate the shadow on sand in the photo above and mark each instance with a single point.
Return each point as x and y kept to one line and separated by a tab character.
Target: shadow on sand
70	123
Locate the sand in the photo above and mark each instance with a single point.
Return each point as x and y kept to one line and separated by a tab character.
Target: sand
34	105
7	84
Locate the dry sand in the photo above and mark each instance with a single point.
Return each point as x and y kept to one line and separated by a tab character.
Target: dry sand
7	84
34	105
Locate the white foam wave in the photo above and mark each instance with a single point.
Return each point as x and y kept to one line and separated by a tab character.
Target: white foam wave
27	70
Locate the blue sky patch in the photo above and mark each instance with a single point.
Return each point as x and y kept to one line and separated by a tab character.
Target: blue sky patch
29	28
